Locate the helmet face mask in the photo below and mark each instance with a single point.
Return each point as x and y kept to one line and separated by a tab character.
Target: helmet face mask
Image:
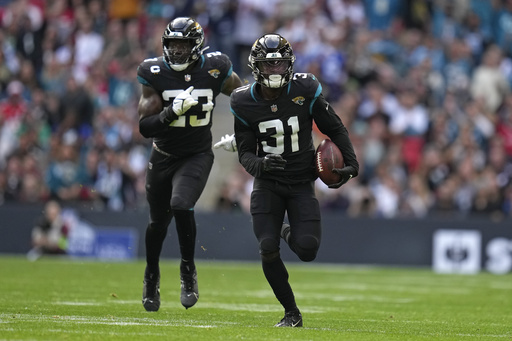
272	67
182	43
178	51
271	60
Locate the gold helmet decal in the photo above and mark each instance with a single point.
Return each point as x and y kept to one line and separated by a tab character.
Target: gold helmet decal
198	27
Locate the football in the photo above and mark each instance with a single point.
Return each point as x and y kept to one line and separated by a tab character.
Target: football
327	157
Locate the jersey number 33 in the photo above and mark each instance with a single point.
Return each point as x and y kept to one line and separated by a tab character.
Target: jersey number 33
194	120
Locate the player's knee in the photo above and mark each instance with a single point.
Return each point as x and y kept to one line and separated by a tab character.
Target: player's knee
180	204
269	257
154	227
306	248
269	250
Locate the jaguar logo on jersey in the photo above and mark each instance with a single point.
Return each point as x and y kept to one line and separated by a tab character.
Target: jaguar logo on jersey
188	78
273	107
214	73
299	100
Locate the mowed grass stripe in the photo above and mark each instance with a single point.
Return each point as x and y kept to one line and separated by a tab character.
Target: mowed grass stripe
70	320
63	299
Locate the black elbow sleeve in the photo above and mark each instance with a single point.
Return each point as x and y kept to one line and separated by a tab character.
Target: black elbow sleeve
149	126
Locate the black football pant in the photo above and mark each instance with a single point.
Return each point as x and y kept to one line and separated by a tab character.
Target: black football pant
173	186
270	201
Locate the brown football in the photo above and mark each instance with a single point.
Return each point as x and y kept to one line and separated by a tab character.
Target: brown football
327	157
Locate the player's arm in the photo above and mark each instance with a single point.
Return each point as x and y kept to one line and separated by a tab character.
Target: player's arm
331	125
247	147
231	83
150	105
228	142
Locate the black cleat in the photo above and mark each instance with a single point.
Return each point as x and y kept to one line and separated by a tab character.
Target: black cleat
189	290
291	319
151	292
285	232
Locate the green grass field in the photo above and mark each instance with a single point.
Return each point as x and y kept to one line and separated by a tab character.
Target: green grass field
62	299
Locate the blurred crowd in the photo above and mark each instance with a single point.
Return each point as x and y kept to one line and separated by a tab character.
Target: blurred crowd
424	88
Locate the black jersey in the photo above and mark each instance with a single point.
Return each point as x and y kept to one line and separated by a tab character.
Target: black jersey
191	132
284	126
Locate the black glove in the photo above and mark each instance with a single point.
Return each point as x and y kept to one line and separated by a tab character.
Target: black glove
273	162
346	174
167	115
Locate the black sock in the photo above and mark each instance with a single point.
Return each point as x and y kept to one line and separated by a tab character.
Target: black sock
186	229
154	240
277	277
187	267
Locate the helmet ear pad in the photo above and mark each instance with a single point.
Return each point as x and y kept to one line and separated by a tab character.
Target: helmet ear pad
271	61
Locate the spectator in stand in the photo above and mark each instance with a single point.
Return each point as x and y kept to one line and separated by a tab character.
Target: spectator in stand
76	110
12	110
488	82
63	173
377	102
502	30
88	48
417	200
114	183
485	11
351	11
50	233
409	125
13	177
386	190
445	203
488	196
445	25
504	125
14	107
5	73
457	69
500	163
482	121
383	14
374	144
362	67
222	17
473	34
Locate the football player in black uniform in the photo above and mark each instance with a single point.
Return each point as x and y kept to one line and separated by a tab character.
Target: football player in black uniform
273	131
175	110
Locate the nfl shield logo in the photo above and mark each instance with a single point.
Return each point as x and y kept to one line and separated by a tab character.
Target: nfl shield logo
273	107
187	78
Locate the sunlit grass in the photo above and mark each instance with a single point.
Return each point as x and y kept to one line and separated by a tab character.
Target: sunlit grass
63	299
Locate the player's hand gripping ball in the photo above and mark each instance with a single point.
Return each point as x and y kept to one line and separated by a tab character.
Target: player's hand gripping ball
328	157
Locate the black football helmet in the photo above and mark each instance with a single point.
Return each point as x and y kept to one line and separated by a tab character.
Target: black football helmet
271	61
182	43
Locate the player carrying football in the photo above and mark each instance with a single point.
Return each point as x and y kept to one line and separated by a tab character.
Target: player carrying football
273	131
175	109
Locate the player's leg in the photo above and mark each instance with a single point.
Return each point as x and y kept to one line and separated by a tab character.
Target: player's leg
305	232
158	195
188	184
267	209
